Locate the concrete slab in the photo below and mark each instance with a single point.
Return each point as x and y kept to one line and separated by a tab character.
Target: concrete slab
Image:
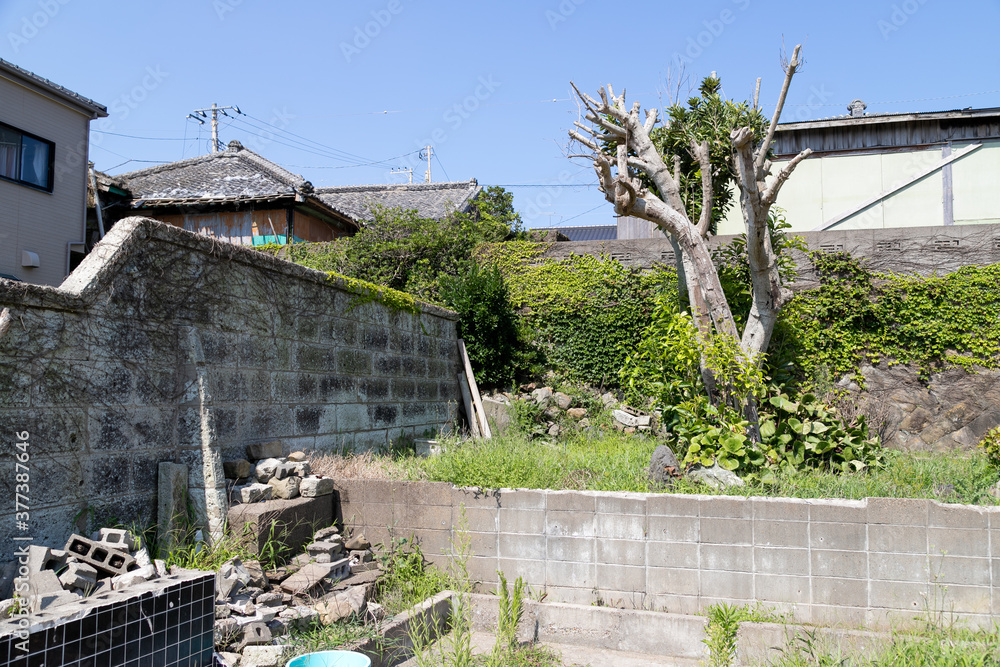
291	522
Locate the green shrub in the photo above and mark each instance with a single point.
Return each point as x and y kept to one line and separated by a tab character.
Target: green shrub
991	445
487	323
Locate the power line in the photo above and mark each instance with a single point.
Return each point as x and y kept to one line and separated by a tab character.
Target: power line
316	143
132	136
563	222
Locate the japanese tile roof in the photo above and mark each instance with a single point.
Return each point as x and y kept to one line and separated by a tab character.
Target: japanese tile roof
83	103
430	200
584	232
233	175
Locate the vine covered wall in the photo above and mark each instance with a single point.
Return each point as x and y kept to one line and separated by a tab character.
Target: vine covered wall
169	346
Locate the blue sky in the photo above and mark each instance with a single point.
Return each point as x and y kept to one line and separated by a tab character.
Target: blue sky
329	87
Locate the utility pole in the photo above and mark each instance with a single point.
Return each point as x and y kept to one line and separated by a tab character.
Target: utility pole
408	171
214	109
428	152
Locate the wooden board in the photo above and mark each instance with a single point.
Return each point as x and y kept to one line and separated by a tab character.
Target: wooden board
484	425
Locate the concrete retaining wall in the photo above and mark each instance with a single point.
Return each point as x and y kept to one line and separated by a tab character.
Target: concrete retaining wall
917	250
872	562
169	346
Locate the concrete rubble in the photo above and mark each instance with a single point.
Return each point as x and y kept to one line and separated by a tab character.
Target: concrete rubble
266	475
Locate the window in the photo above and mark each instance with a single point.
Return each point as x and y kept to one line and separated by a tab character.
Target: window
25	158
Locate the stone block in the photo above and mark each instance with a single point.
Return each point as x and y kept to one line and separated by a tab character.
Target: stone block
838	536
307	578
254	634
315	487
266	469
781	533
171	507
238	469
133	577
285	488
79	575
256	493
230	579
845	564
283	470
897	539
265	450
293	520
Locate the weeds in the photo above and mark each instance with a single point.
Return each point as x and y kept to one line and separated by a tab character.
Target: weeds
723	623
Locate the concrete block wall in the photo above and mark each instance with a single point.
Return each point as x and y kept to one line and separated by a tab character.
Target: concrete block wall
916	250
165	345
873	562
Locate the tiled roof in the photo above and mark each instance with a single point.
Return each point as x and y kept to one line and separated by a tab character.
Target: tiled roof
236	174
84	103
431	200
585	232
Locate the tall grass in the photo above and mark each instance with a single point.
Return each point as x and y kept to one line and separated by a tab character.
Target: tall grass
618	462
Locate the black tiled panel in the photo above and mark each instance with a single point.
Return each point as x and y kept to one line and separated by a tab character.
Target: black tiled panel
168	627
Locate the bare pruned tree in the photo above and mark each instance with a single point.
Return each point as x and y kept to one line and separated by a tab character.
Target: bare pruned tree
618	139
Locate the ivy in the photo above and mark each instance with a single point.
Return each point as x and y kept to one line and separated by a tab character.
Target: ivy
857	316
366	292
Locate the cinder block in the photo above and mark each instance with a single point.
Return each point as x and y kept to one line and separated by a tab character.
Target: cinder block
523	499
727	585
779	509
531	570
665	504
620	526
520	546
778	588
621	577
575	549
845	564
527	521
839	536
672	554
674	528
898	511
898	567
727	558
838	511
620	504
948	570
965	600
781	533
434	517
482	544
571	501
727	508
726	531
620	552
902	596
962	542
570	524
571	575
776	560
99	555
897	539
292	521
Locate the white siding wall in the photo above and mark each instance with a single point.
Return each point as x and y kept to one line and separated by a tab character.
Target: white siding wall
34	220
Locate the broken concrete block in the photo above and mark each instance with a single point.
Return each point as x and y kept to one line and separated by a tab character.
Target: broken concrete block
98	554
255	493
297	457
263	656
45	591
222	611
265	470
343	605
254	634
309	576
314	487
117	538
327	549
285	488
238	469
358	543
269	600
7	607
161	567
300	616
256	572
301	469
360	556
230	578
142	558
171	505
284	470
625	419
264	450
323	534
243	605
229	659
79	575
124	581
38	558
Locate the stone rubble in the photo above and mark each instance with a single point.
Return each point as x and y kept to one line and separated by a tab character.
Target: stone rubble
256	479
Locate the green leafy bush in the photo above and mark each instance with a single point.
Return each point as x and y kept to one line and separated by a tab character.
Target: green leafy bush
991	445
487	323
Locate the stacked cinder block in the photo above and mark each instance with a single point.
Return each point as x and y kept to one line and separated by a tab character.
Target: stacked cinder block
267	475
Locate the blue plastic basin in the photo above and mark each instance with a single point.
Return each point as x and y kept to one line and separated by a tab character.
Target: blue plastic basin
331	659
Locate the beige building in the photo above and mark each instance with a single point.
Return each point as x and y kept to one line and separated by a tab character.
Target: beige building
881	171
44	138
